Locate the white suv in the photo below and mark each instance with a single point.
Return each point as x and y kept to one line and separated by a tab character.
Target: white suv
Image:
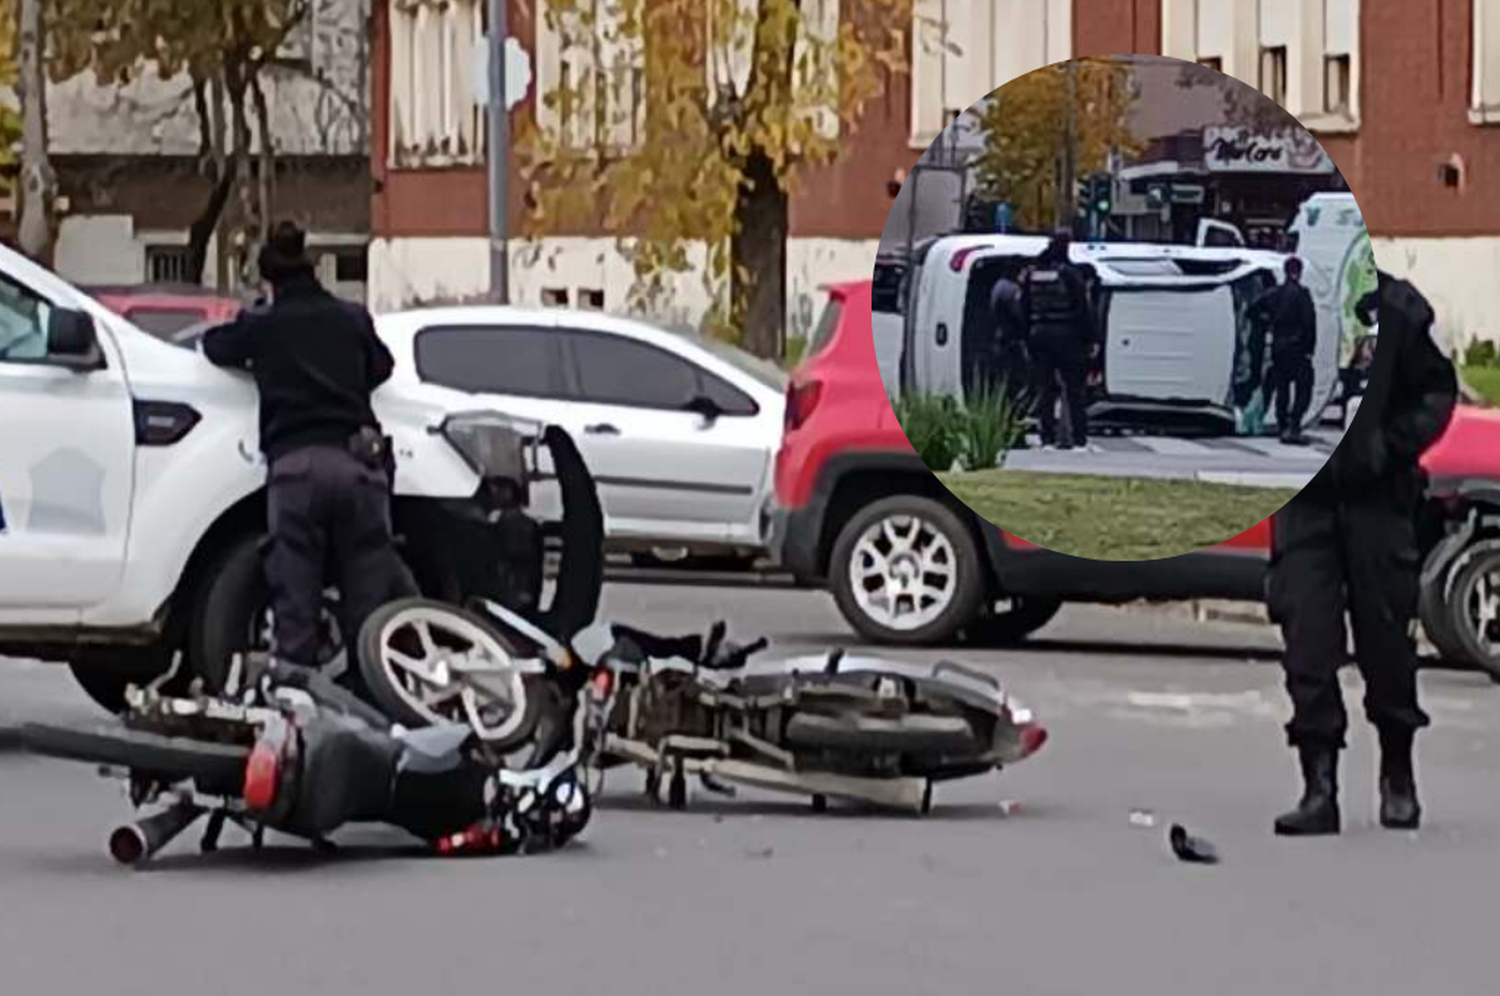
131	502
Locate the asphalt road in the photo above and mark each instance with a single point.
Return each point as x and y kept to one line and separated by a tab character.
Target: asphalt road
1058	894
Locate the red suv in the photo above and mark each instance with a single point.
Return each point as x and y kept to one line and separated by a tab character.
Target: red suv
908	563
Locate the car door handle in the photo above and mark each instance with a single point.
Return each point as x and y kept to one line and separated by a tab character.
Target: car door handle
601	429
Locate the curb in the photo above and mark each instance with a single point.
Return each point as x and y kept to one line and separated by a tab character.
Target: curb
1254	479
1203	610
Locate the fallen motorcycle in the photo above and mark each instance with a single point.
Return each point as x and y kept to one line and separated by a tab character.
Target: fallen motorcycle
298	754
827	726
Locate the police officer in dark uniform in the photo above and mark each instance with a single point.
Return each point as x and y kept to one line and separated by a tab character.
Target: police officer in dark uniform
1348	542
1009	344
1060	335
316	360
1287	313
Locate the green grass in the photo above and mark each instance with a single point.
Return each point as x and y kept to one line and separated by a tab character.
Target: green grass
1485	380
1114	518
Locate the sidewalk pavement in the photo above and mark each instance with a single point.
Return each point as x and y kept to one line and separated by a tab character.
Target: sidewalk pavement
1239	460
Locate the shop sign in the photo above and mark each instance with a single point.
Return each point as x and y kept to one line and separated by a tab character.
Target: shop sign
1241	150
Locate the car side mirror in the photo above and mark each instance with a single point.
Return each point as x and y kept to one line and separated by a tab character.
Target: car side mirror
72	340
706	407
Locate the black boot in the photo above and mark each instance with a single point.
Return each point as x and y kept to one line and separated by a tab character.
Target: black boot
1318	812
1399	809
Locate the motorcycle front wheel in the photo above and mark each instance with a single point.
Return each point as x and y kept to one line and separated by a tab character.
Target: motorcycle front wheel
427	663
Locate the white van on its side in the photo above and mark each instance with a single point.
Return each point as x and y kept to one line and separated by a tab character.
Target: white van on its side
1173	318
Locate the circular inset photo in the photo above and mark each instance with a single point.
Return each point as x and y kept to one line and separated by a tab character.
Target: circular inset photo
1117	307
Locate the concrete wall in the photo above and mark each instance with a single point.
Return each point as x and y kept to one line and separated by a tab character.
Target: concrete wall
99	249
410	271
845	199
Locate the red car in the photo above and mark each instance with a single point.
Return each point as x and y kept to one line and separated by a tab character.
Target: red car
859	512
166	310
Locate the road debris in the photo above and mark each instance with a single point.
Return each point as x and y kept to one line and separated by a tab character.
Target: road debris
1142	818
1194	850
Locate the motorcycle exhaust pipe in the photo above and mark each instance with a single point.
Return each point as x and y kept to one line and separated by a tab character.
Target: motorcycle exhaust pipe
135	843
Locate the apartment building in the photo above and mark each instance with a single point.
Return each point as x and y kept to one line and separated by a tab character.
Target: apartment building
127	160
1404	97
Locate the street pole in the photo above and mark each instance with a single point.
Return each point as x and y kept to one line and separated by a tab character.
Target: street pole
499	156
1070	154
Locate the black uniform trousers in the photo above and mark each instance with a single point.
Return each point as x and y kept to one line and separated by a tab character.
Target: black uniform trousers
1060	372
1361	557
329	509
1290	372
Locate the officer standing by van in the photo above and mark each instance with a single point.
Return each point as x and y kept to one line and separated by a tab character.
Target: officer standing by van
1012	365
1287	314
1060	337
1348	543
316	360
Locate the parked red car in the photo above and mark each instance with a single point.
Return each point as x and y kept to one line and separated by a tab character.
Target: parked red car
859	512
165	310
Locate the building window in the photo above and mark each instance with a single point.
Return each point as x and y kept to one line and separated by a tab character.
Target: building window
1336	69
168	264
435	119
1212	62
730	27
590	76
1484	102
1273	73
962	51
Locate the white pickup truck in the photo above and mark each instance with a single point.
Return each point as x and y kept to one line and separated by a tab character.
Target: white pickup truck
132	504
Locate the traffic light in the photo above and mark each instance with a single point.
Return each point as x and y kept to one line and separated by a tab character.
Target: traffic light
1100	194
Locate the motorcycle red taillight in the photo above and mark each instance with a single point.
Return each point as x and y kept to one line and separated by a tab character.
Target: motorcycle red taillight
262	775
801	399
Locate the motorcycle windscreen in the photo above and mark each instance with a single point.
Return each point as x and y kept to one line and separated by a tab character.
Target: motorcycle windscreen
1170	345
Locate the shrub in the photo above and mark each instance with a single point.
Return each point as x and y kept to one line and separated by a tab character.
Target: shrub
934	426
990	425
1480	353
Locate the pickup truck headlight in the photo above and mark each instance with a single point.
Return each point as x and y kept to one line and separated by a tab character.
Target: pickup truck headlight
493	445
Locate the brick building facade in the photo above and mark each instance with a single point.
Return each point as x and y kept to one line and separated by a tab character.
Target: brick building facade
1404	96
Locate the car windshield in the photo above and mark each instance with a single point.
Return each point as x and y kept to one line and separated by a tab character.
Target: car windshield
764	371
